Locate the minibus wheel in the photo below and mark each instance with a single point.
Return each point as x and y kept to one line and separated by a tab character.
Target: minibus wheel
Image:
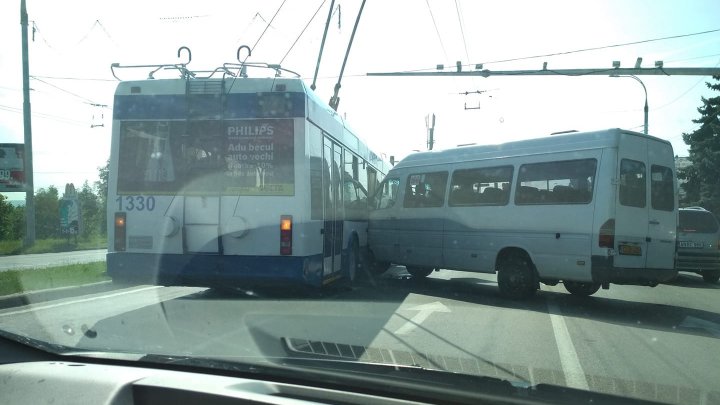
711	276
419	272
516	278
581	289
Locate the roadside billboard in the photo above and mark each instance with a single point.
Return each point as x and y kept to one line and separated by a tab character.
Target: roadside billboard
12	167
69	212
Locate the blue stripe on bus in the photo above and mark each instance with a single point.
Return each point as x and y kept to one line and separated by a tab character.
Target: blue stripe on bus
237	105
213	270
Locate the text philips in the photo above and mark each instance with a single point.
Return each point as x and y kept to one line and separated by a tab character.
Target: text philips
256	130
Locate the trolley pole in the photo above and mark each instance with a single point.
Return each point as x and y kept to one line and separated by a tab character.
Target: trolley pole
28	161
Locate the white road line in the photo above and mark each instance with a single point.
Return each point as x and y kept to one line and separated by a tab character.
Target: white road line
425	311
574	374
64	303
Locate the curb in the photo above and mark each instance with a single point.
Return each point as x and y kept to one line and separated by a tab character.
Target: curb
33	297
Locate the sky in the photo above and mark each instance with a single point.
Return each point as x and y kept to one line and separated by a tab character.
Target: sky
75	42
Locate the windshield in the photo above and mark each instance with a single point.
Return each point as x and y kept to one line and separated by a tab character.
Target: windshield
697	221
496	189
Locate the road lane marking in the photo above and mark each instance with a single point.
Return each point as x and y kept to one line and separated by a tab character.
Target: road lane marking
64	303
574	374
425	311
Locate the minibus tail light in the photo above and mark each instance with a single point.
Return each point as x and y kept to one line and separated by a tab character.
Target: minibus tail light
607	234
120	231
286	235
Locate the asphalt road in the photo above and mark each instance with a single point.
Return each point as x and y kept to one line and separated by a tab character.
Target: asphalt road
41	260
657	343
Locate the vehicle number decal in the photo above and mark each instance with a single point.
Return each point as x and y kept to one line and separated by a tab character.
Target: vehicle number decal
135	203
690	244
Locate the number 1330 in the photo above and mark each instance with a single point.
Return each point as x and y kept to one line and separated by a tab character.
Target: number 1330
135	203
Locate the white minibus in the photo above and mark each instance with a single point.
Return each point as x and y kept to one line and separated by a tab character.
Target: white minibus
585	209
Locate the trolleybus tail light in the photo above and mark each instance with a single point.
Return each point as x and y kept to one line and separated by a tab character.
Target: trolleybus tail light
286	235
120	231
607	234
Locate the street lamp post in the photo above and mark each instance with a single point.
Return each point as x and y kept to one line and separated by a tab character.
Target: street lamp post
646	98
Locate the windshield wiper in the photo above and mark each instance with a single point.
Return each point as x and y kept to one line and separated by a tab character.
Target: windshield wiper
329	370
386	380
336	370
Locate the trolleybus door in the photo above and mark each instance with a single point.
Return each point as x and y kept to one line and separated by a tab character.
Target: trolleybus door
333	212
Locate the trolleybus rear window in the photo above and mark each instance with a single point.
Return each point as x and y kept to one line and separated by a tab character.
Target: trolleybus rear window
238	157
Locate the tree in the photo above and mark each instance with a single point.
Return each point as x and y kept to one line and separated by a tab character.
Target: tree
17	221
101	188
47	213
702	185
6	216
90	211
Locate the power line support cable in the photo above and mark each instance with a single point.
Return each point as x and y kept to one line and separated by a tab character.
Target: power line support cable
303	31
253	47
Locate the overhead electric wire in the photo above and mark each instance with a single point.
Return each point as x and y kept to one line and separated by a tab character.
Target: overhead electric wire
597	48
462	30
18	110
685	92
87	100
694	58
36	29
437	31
75	78
266	27
302	32
257	42
107	33
102	27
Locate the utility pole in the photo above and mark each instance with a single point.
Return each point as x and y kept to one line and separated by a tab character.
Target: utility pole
430	132
614	71
29	185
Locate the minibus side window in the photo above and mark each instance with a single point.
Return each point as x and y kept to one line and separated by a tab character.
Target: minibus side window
561	182
424	190
482	186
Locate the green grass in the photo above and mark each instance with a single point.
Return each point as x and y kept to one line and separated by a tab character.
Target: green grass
15	281
15	247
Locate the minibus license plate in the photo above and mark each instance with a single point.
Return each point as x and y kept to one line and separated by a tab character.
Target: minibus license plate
630	250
